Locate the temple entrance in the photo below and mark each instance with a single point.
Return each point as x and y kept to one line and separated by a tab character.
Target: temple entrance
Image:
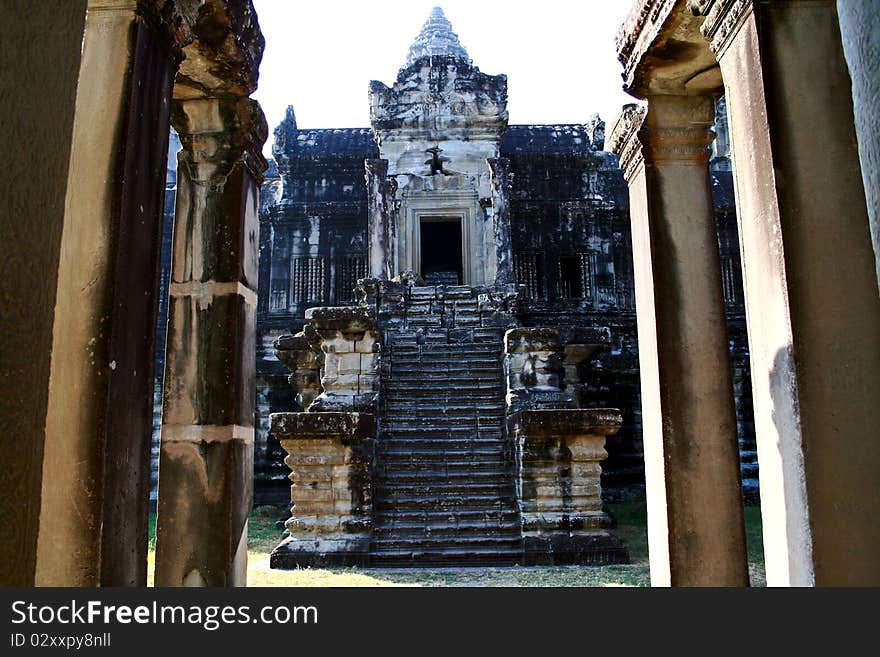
441	250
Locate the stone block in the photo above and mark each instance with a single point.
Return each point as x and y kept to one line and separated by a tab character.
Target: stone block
349	363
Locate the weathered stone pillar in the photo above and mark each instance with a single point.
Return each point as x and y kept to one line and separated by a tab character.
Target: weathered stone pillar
559	454
206	467
39	119
695	515
99	416
381	219
330	457
860	28
811	291
501	182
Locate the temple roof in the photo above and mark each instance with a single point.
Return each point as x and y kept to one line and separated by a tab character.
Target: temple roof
437	40
568	139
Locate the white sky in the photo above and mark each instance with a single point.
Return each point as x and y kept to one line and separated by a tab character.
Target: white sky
558	55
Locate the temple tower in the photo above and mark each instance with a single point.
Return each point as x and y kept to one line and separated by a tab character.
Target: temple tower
437	127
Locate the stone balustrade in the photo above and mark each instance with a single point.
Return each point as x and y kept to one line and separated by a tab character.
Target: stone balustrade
559	453
330	456
349	340
535	371
302	355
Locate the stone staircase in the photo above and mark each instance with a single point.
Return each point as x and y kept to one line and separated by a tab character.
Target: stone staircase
443	488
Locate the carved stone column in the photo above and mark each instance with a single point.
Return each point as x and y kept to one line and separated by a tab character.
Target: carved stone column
381	219
811	292
330	457
695	515
501	182
98	417
206	466
559	453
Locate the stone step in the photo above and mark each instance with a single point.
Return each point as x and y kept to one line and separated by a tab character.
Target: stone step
408	413
460	430
401	466
451	557
439	358
476	377
439	447
433	363
444	542
465	502
385	479
440	488
448	532
431	386
440	517
440	430
473	348
403	405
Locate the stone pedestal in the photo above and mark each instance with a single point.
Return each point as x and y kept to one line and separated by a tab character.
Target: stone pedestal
350	371
302	355
330	457
535	372
559	453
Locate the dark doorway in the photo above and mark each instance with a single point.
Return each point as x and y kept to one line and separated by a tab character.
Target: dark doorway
441	251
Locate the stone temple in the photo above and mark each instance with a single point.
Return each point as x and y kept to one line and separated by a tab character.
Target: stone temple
454	297
458	278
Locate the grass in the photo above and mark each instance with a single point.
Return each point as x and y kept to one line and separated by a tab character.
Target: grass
630	526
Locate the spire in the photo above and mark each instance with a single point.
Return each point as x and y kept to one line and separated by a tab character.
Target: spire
437	39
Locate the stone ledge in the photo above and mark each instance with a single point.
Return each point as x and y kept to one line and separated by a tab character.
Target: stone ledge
347	427
295	553
538	424
345	318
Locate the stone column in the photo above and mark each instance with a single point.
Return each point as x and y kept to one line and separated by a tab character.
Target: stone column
381	219
811	291
206	466
39	119
695	516
501	182
559	454
99	418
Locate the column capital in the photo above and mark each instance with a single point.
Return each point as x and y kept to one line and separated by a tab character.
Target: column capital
677	130
722	20
623	139
217	133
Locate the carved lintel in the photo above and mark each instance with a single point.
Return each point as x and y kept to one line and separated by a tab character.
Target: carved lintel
723	19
